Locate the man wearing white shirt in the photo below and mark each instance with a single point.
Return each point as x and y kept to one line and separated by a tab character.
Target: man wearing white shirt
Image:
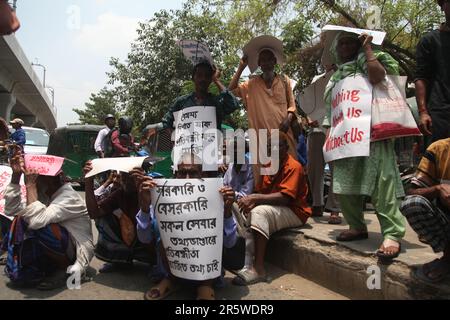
100	142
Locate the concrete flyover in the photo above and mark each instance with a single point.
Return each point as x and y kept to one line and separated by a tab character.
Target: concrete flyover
21	93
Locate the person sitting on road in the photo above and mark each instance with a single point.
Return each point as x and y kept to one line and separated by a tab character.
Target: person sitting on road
427	208
189	167
53	232
115	219
239	176
279	204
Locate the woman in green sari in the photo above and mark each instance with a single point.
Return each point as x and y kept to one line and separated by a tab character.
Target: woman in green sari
376	176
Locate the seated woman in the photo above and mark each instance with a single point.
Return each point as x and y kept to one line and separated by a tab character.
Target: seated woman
53	232
188	168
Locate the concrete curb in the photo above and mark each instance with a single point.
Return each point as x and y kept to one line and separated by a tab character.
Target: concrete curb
344	270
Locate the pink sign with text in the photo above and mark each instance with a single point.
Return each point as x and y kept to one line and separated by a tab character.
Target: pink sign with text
45	165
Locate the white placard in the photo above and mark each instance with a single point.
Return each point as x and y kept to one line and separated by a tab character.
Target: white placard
5	179
190	219
378	36
332	31
118	164
311	99
196	132
351	105
195	51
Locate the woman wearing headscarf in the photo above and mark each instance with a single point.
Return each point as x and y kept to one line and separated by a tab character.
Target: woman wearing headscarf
376	176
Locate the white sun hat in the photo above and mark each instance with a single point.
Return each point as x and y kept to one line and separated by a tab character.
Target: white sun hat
258	44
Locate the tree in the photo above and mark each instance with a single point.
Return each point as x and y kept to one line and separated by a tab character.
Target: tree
102	103
403	21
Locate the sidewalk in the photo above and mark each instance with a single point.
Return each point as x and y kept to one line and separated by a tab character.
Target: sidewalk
312	252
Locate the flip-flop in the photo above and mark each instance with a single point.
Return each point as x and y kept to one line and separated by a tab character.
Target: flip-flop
247	277
335	219
169	289
347	236
380	252
3	259
52	283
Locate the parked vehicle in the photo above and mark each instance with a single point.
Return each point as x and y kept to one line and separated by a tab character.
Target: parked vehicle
75	143
37	140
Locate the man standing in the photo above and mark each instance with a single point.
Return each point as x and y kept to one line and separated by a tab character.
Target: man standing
268	98
18	136
202	76
433	79
110	122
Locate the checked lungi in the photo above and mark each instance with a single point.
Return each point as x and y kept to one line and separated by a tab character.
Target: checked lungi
431	222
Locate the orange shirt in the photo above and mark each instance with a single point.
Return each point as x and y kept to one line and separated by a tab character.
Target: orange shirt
291	181
267	108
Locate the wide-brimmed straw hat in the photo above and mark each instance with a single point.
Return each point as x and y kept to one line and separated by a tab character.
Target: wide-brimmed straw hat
258	44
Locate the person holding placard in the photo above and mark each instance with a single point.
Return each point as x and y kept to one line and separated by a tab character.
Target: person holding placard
189	167
376	175
115	219
51	236
203	75
268	98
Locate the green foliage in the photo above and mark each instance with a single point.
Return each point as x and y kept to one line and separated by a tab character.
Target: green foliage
101	104
155	72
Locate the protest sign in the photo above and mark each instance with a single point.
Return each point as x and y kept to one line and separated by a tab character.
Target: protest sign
351	105
118	164
332	31
5	179
196	132
45	165
189	213
195	51
311	99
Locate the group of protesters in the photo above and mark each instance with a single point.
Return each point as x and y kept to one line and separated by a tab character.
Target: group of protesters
51	233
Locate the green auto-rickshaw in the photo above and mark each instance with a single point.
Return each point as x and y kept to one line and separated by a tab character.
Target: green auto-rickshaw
76	144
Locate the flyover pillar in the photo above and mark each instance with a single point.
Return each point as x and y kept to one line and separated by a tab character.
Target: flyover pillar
7	102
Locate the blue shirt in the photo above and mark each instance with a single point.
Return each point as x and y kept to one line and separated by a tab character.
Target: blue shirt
241	182
19	137
301	150
147	229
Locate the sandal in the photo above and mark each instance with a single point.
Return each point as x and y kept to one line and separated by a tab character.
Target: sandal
335	218
389	244
423	273
3	259
165	288
247	277
57	281
352	235
205	292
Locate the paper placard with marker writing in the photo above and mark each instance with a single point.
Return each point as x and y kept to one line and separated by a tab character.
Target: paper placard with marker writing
351	106
5	179
189	213
196	133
